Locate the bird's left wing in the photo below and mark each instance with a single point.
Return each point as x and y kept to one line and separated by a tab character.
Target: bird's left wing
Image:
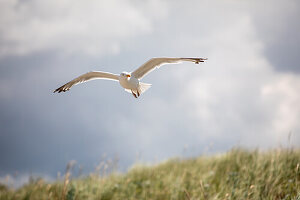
157	62
87	77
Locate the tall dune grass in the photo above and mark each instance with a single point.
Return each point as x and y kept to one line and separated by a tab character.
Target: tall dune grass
238	174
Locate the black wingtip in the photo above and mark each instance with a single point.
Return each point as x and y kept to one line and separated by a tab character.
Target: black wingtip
198	60
61	89
57	90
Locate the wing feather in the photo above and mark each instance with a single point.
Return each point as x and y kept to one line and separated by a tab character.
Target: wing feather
157	62
87	77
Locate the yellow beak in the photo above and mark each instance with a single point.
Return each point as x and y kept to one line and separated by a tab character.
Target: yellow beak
128	75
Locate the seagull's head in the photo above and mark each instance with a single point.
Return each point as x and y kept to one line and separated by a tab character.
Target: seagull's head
125	74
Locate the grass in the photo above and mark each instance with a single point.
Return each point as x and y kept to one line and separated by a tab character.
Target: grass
238	174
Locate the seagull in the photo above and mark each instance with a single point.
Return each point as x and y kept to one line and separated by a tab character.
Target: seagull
129	81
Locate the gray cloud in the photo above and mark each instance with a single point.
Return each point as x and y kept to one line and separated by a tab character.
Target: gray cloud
277	25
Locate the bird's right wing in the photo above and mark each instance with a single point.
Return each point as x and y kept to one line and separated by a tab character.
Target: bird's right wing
87	77
154	63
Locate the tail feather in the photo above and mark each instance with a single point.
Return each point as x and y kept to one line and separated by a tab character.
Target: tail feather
143	87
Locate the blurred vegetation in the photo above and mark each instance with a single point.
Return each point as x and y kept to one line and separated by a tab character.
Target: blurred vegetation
238	174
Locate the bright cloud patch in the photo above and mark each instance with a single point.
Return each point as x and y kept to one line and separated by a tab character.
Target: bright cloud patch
91	27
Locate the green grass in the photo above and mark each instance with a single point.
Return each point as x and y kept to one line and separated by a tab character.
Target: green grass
238	174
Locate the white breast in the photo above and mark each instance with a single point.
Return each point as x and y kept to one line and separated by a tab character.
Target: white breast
129	83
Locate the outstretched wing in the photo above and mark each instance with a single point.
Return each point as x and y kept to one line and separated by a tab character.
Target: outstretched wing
87	77
157	62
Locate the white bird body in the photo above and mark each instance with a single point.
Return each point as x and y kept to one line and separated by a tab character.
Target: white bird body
129	81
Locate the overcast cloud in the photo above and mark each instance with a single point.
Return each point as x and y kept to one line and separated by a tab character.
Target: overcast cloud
246	94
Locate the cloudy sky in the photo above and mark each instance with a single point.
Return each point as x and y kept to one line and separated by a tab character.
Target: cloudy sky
246	94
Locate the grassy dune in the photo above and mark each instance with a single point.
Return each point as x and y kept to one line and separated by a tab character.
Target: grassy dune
237	174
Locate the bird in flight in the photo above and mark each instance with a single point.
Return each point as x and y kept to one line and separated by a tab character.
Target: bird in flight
129	81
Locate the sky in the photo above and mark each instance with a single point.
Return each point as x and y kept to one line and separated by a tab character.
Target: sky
245	95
